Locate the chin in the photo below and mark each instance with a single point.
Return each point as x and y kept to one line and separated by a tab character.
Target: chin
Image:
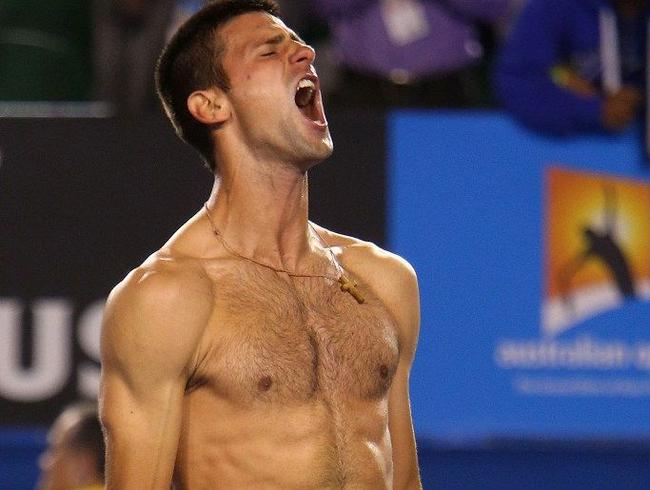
327	147
309	150
320	152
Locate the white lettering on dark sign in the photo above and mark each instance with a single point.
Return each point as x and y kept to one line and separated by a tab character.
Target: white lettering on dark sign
52	350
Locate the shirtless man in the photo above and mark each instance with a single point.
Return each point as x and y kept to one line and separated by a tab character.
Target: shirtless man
241	354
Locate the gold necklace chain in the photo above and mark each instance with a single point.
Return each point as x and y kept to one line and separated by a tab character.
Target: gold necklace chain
347	285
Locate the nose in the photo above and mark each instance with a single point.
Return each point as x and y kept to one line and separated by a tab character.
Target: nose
302	53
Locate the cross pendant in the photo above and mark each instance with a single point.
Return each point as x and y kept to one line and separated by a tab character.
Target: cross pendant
350	286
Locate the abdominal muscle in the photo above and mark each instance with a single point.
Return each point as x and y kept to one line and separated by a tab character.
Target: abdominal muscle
313	444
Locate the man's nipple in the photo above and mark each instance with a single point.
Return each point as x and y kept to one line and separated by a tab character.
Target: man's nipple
264	384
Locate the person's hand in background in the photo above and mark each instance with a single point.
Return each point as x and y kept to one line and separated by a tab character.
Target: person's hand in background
619	109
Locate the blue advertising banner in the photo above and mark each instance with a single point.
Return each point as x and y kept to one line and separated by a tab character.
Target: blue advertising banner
533	256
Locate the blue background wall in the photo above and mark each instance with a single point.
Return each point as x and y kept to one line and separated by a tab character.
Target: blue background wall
466	208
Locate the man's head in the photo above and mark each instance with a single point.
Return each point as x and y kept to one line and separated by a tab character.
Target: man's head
75	454
235	64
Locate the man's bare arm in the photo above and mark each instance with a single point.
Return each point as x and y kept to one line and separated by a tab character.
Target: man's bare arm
152	327
406	308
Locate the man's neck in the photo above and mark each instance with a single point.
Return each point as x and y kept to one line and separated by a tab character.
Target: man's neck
263	215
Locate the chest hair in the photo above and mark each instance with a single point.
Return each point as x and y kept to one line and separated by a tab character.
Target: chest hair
274	340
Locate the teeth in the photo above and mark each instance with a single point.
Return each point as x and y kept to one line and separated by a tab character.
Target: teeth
305	92
306	83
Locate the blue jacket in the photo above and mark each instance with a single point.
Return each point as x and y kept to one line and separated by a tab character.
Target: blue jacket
553	33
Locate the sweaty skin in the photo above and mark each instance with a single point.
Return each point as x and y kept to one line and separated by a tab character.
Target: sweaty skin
220	373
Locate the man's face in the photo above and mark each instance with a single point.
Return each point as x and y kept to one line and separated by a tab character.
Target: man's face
275	93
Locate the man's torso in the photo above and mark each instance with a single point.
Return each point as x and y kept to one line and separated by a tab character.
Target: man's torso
289	385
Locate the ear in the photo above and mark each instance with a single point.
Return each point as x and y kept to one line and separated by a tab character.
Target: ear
209	106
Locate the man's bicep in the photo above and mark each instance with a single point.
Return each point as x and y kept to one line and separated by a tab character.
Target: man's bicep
142	430
149	337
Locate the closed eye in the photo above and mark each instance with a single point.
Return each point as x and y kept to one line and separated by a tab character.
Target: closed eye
270	53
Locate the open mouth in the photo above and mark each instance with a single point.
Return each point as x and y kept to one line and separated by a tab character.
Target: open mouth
306	99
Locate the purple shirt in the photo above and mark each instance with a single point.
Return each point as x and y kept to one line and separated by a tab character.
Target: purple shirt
362	41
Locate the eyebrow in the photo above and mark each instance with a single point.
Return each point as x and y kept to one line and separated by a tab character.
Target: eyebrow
275	40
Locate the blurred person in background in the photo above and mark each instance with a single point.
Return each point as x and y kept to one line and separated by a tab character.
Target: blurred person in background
410	52
128	36
74	459
573	66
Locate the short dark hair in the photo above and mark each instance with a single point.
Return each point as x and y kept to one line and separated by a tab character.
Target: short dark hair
87	433
192	60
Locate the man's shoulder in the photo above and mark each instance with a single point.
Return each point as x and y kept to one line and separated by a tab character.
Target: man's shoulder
157	313
367	257
163	279
388	275
391	278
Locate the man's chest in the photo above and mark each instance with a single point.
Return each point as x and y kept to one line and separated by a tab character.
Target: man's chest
271	341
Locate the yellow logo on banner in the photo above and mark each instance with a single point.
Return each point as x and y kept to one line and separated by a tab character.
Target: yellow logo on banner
597	246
